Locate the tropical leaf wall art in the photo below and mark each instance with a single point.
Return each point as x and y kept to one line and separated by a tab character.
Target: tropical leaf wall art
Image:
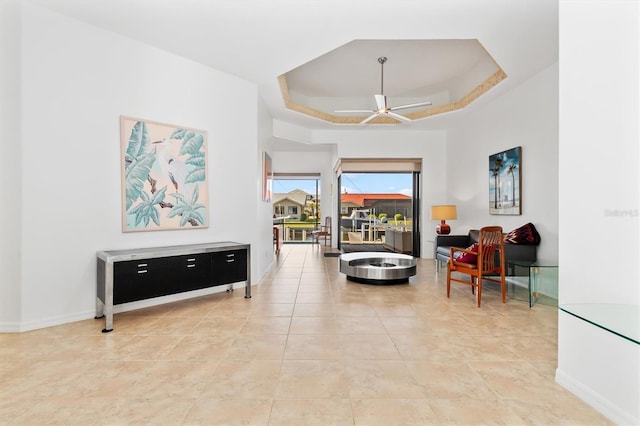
164	176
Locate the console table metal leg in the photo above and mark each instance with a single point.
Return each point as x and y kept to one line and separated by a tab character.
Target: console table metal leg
108	319
108	298
247	288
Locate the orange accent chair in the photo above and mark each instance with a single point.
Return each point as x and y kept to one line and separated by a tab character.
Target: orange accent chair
323	232
490	240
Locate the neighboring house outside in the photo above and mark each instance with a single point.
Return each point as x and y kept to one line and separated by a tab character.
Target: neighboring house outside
378	203
291	203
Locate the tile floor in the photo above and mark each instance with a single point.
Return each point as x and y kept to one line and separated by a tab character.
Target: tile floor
310	347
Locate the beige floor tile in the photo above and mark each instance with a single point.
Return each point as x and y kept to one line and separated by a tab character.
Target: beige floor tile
472	411
309	347
134	411
272	310
355	309
321	412
211	411
395	310
559	409
360	325
514	379
201	348
147	348
301	346
381	379
368	346
314	298
249	347
314	325
232	310
313	310
451	379
175	326
251	379
198	308
266	325
309	379
174	379
276	297
384	412
422	347
219	325
405	325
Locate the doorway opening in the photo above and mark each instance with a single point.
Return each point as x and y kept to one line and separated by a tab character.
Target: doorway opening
379	205
296	206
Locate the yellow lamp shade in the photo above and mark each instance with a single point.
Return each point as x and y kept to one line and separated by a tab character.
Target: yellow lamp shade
444	212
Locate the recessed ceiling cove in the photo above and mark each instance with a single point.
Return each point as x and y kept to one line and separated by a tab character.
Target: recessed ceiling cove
390	81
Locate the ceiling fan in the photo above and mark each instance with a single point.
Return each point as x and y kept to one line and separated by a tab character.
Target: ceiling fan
381	102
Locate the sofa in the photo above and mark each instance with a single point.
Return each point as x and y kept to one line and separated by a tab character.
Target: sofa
512	252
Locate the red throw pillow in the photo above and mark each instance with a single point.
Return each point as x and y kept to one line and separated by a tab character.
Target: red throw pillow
468	257
526	234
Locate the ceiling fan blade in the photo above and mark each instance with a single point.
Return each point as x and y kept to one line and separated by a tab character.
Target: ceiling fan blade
371	117
355	110
398	116
419	104
381	102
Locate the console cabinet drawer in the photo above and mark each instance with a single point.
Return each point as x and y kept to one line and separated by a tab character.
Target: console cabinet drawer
190	272
229	266
140	279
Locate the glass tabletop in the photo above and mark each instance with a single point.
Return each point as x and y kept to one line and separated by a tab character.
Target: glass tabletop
528	263
623	320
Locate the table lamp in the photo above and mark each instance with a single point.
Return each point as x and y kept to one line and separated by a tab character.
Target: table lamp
443	213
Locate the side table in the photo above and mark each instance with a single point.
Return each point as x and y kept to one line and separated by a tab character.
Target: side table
535	282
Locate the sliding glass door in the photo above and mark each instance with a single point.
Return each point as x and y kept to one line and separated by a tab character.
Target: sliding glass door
379	211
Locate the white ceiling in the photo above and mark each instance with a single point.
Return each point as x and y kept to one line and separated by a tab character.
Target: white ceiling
259	40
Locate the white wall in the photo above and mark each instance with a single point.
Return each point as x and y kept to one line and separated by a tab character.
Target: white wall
76	82
10	159
526	116
599	198
262	254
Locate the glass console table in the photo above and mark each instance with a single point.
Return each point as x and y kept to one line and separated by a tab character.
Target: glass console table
535	282
619	319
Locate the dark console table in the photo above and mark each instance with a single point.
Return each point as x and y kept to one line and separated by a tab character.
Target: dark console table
138	274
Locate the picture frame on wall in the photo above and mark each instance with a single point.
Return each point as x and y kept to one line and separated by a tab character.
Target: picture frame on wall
163	175
267	177
505	182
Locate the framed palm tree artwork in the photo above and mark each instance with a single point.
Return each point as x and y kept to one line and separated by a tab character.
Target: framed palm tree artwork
164	176
505	182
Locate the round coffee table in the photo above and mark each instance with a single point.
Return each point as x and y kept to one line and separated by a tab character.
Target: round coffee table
377	267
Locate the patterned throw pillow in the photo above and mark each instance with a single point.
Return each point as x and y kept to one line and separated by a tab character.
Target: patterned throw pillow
468	257
526	234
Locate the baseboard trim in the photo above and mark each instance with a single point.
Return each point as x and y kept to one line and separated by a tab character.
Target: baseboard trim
20	327
595	400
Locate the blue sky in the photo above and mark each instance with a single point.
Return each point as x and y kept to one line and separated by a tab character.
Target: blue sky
385	183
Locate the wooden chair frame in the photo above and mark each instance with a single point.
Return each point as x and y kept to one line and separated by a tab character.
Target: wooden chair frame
323	232
490	239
